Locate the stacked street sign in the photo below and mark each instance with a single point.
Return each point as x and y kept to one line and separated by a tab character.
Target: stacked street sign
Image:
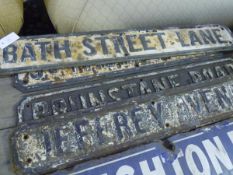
93	95
212	147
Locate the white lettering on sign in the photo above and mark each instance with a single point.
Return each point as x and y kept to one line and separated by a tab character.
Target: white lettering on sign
198	161
191	151
205	157
230	135
125	170
217	154
176	164
158	167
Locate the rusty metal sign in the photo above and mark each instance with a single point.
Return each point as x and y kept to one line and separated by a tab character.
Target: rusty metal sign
43	146
204	151
97	94
58	51
32	81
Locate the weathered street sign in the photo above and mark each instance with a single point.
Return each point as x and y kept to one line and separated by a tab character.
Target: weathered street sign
42	146
56	51
87	97
204	151
32	81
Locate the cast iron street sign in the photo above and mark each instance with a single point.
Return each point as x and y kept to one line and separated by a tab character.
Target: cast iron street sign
154	79
206	151
32	81
42	146
56	51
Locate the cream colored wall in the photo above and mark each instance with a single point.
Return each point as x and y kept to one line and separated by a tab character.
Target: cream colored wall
11	16
86	15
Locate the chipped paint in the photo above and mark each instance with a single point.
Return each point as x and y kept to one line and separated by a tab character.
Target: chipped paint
96	94
57	51
194	153
32	81
43	146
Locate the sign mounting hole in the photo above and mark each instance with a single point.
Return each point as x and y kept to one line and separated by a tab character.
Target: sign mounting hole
29	160
167	125
25	137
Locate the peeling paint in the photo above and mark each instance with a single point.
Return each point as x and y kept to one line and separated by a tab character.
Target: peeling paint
211	143
59	142
32	81
57	51
97	94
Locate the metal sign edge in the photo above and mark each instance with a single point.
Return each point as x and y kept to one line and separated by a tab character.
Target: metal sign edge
9	71
72	81
82	167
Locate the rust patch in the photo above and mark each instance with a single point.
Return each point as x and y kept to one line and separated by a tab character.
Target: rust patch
47	145
32	81
95	94
58	51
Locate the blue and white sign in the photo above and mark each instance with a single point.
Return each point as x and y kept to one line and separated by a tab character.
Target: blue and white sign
206	151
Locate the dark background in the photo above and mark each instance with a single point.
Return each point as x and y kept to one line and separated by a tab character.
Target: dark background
36	20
